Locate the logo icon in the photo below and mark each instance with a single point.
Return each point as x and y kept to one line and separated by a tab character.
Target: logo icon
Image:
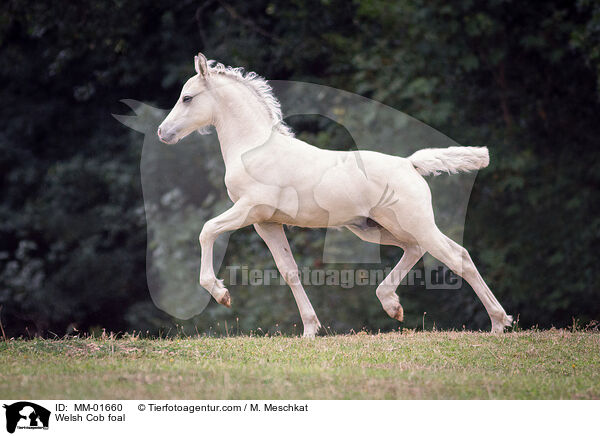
26	415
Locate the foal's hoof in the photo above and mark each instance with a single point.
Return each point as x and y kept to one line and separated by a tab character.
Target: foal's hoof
311	328
225	300
391	305
399	315
499	326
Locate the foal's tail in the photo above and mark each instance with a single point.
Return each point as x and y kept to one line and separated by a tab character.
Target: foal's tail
451	160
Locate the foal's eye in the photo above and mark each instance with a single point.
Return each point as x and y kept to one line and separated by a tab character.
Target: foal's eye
187	98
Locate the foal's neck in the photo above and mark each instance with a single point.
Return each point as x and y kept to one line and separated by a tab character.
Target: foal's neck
242	121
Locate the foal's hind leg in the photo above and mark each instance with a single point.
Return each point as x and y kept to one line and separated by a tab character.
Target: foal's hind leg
386	291
421	227
457	258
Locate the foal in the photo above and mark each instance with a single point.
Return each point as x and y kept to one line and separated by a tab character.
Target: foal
275	179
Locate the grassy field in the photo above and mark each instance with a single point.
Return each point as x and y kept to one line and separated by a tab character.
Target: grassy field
555	364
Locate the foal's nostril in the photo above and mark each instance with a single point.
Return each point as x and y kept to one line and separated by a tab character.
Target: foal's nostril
158	131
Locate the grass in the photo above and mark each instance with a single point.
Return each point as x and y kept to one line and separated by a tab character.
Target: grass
553	364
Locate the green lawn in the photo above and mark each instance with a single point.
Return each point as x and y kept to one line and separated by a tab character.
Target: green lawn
555	364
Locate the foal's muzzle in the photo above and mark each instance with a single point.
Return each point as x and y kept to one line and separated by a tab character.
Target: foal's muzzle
168	138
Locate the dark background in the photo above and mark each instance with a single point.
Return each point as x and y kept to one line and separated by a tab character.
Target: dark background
519	77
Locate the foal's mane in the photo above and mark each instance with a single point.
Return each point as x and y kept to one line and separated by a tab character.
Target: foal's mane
261	89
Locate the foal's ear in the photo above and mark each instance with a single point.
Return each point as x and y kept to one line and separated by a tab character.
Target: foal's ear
201	65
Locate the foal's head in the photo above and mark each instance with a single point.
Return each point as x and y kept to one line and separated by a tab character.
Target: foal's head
194	110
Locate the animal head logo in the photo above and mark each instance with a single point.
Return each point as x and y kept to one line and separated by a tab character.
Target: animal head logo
183	187
26	415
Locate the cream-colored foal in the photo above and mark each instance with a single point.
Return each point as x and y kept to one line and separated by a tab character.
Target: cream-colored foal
275	179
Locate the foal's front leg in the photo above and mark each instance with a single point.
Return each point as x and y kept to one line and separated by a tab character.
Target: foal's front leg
238	216
274	237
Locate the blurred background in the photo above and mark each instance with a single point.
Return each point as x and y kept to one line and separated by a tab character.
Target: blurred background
522	79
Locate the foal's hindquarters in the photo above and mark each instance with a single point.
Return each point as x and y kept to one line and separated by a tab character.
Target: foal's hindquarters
407	221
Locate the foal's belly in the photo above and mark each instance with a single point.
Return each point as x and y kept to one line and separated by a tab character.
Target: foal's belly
301	220
311	214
